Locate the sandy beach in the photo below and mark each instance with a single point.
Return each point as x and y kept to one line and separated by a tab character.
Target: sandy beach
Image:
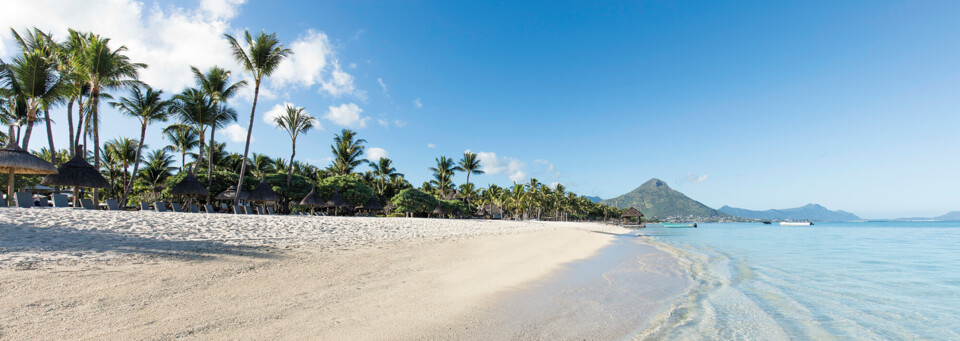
146	275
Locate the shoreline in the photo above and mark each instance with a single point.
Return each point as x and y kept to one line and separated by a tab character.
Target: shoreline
357	278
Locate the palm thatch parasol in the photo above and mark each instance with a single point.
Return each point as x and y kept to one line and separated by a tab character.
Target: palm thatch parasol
451	196
439	209
335	201
312	199
231	194
77	173
15	160
631	212
373	204
189	186
263	193
481	212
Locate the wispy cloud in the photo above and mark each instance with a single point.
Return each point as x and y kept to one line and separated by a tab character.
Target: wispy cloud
347	115
237	133
493	165
431	145
417	103
376	153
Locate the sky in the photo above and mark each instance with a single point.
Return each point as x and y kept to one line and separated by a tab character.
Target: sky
752	104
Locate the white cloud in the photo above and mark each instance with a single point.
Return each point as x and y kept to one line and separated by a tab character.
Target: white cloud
353	65
221	9
383	123
237	133
382	84
305	67
376	153
277	111
347	115
417	103
340	83
492	164
549	166
692	178
431	145
399	123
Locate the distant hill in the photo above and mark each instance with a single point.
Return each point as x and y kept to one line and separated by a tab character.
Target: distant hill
657	200
810	212
594	198
950	216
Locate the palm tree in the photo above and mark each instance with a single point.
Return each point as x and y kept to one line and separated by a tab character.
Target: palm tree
123	152
157	168
294	121
104	69
183	138
77	84
261	58
196	109
32	76
518	197
558	195
146	105
216	85
261	165
470	164
383	168
347	152
443	174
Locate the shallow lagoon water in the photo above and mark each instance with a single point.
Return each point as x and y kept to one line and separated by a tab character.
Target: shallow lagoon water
870	280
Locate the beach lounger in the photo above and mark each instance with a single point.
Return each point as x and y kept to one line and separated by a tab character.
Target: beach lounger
237	209
24	199
270	210
208	208
113	205
144	206
3	203
43	202
194	208
224	207
175	206
260	210
60	200
87	204
248	209
160	206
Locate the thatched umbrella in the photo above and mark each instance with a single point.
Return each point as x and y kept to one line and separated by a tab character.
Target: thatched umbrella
335	201
373	204
189	186
481	212
631	213
231	194
263	193
312	199
77	173
451	196
15	160
439	210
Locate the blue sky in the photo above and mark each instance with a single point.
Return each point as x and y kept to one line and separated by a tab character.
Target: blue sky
753	104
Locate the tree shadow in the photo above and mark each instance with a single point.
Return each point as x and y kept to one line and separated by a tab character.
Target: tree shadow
29	237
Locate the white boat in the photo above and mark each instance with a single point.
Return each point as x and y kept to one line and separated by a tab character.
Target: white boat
795	223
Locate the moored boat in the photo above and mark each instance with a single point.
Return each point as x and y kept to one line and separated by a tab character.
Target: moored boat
795	223
679	225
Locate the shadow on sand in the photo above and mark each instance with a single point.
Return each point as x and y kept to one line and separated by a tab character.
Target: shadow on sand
30	237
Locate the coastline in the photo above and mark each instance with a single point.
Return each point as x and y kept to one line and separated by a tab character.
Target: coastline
144	275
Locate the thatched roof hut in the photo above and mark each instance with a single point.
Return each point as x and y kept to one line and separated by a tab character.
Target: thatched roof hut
15	160
312	199
335	201
189	186
78	173
481	213
263	192
492	209
231	194
451	196
373	204
631	212
439	209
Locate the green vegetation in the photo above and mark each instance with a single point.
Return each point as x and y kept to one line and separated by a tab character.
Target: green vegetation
657	200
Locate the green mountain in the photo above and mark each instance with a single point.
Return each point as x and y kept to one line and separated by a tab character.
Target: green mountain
657	200
810	212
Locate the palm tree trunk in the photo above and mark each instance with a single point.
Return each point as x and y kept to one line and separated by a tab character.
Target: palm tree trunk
290	167
196	166
213	131
80	125
95	97
53	150
10	189
183	159
246	148
70	124
26	135
136	165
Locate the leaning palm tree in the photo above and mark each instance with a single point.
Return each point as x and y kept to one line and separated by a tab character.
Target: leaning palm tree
261	58
384	169
347	152
32	76
196	109
443	175
294	121
215	83
105	69
146	105
77	85
470	164
183	138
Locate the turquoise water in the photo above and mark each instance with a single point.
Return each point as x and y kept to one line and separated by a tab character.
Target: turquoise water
863	281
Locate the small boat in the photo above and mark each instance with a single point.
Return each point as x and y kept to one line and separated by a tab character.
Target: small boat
795	223
766	223
676	226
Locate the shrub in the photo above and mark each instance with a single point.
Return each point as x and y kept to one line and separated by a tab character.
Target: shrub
412	200
353	191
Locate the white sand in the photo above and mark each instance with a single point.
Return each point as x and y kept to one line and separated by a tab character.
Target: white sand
132	275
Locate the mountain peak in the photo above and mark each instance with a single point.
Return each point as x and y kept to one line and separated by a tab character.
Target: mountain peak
654	182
